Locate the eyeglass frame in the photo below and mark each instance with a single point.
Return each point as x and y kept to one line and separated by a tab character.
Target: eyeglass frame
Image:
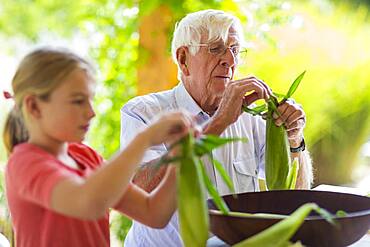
224	51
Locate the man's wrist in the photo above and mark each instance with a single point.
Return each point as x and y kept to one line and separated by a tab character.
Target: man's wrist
298	148
296	142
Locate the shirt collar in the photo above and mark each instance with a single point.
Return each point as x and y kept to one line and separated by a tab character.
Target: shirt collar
185	101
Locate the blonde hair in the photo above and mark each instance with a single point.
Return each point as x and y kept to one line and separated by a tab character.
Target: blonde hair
39	73
215	24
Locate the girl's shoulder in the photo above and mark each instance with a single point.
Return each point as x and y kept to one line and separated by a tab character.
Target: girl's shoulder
27	158
27	151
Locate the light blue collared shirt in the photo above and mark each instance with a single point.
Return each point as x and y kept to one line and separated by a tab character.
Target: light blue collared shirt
244	162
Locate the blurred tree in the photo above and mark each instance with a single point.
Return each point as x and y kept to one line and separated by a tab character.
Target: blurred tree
133	56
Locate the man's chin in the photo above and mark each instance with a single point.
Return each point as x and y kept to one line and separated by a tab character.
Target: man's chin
218	88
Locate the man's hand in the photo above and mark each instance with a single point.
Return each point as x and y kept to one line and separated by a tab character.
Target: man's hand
233	98
294	118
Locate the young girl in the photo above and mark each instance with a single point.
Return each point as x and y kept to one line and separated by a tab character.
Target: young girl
58	189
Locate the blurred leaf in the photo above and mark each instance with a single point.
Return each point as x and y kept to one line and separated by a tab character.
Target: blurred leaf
258	110
294	85
207	143
219	202
219	167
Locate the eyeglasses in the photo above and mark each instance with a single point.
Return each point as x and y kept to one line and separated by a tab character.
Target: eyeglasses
220	49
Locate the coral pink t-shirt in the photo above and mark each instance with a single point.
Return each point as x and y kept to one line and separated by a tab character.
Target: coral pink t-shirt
31	175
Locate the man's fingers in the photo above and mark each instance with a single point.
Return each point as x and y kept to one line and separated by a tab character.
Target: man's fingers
250	84
294	117
268	89
299	124
250	98
294	134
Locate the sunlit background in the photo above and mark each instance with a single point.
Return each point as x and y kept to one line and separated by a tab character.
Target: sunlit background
129	43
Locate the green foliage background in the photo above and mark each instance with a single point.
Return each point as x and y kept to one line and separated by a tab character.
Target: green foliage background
332	44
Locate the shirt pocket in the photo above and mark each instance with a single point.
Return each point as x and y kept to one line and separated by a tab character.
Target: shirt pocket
245	174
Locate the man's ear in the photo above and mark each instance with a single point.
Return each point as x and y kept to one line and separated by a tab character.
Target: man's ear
31	105
182	54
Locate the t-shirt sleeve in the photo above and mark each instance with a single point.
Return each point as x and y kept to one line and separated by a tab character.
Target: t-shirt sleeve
86	155
33	178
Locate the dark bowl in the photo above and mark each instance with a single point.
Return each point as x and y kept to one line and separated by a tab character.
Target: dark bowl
315	231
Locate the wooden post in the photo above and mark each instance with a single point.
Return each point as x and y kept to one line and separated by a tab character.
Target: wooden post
156	70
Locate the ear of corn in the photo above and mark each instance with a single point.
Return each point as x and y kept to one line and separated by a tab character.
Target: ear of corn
277	156
192	206
280	173
192	180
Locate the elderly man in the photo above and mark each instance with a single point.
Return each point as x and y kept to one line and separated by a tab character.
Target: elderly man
206	46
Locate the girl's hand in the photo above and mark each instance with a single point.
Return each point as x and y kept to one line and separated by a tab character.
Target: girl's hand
169	127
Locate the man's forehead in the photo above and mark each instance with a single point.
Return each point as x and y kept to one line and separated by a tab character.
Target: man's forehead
233	35
233	38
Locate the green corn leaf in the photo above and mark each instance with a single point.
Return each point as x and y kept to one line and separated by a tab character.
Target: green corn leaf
250	111
256	111
326	215
202	146
249	215
260	108
292	174
217	199
207	143
295	169
200	149
341	213
294	85
296	244
223	173
280	233
217	141
278	95
273	104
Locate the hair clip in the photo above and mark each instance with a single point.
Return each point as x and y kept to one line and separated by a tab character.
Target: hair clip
7	95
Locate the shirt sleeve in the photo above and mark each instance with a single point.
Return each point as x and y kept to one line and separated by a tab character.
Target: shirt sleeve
33	178
133	121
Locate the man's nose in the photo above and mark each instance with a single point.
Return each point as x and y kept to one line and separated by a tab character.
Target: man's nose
228	59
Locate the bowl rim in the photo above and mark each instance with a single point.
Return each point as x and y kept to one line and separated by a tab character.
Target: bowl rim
309	218
314	217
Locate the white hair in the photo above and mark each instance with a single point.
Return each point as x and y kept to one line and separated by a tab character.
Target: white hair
214	24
